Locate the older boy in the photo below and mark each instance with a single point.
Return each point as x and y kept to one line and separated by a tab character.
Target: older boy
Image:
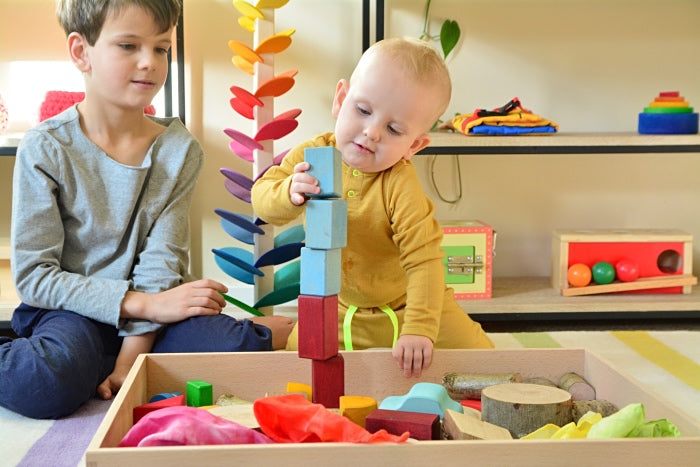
100	232
392	263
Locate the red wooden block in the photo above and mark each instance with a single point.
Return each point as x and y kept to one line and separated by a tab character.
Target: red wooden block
140	411
318	326
328	381
422	426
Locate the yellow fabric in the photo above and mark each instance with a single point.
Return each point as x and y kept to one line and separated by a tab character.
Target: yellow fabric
393	254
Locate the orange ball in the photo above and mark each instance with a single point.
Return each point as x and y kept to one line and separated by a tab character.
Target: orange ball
579	275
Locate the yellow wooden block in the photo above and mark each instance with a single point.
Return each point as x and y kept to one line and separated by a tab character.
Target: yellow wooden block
300	387
356	408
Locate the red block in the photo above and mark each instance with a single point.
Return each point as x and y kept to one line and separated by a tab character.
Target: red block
328	381
318	326
140	411
422	426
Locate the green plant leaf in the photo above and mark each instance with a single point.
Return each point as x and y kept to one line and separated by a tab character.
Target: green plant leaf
449	36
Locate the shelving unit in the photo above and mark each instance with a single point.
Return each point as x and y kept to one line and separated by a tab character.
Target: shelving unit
533	298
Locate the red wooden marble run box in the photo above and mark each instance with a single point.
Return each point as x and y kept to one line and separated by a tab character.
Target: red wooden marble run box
468	261
659	253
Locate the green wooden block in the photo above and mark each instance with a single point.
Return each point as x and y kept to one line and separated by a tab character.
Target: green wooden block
199	393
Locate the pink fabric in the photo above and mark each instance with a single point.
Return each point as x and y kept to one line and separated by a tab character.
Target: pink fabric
182	425
291	418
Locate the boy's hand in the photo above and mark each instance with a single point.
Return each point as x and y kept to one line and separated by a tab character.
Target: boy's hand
413	354
196	298
302	183
111	385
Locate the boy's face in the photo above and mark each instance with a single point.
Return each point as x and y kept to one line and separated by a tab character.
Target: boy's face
382	116
127	66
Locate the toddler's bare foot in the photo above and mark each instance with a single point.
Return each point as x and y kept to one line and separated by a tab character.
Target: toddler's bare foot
280	326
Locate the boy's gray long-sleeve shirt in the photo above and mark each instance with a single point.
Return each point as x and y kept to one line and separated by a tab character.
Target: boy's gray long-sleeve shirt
85	228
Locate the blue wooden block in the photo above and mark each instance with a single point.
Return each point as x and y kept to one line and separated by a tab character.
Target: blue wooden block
326	167
326	223
424	398
320	272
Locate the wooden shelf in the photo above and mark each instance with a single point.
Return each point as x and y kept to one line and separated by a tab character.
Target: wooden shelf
535	295
561	143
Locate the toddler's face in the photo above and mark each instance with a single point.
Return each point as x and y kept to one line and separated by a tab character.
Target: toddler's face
382	116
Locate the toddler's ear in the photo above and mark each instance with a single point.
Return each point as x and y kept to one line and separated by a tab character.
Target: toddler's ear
419	143
341	92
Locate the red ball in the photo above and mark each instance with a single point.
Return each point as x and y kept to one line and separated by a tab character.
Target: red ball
627	270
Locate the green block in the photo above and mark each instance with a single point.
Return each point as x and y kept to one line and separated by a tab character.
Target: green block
199	393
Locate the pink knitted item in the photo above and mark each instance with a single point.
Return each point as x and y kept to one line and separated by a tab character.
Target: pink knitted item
56	102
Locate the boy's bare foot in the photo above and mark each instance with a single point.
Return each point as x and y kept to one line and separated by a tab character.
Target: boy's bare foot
280	326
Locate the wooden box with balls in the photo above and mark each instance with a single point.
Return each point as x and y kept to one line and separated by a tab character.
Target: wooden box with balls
586	262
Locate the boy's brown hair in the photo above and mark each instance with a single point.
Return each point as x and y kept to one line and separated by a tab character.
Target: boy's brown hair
87	17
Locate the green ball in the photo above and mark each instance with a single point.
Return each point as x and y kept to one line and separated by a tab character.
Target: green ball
603	272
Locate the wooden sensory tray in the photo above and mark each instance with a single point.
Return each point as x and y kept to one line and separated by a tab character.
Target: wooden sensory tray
374	373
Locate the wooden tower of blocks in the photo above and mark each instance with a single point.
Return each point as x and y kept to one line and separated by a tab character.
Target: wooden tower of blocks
326	235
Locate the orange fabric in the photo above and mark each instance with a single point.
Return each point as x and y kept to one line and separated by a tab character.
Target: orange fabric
291	418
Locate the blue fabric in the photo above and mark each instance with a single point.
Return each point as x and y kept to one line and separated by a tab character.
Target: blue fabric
60	357
510	130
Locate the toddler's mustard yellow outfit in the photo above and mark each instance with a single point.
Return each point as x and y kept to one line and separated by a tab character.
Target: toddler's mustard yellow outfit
392	258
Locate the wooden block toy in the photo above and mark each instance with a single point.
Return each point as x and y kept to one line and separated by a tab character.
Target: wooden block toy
326	223
664	259
320	272
299	388
357	408
462	426
468	261
328	381
523	408
421	426
163	395
326	167
199	393
140	411
423	397
318	326
579	388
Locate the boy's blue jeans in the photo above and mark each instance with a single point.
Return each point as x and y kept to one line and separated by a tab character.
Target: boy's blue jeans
60	357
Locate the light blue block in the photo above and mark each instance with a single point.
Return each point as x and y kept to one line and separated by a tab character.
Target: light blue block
425	398
326	223
320	272
326	167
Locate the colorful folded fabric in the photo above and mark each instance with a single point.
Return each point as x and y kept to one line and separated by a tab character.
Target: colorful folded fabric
510	119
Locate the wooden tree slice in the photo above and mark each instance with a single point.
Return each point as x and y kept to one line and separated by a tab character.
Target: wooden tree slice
578	387
523	408
603	407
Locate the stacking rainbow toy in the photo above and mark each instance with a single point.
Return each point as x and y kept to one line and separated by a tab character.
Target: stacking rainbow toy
668	114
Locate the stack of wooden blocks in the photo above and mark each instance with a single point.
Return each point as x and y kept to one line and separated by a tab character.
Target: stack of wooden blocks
326	235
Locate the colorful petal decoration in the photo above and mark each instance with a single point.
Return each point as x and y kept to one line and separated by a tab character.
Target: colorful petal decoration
244	51
237	191
293	114
237	232
237	177
243	139
243	64
242	108
274	44
246	9
280	255
244	95
276	129
278	296
271	4
275	87
240	220
247	23
241	151
294	234
238	257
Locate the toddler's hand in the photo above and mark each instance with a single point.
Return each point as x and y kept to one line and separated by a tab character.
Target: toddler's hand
302	183
413	354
